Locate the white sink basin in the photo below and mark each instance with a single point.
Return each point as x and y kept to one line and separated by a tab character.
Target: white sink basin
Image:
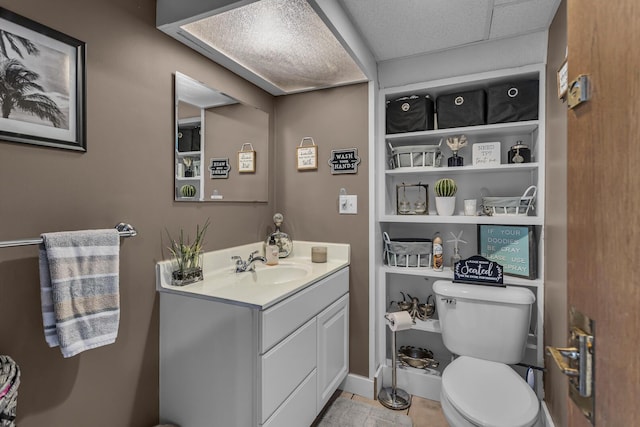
274	275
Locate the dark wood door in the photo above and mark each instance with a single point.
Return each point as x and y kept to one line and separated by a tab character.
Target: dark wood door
604	200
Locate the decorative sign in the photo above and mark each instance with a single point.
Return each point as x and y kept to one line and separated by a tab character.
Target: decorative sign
246	159
486	153
513	246
344	161
563	80
220	168
307	155
478	270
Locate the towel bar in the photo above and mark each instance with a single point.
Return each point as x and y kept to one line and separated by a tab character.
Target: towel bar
125	230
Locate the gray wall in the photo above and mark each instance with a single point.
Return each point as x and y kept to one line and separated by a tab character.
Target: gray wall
126	175
334	118
555	286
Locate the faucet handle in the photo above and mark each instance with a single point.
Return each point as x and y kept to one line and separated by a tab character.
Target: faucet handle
252	254
237	259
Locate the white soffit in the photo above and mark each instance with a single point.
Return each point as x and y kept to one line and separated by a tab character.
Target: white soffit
195	93
401	28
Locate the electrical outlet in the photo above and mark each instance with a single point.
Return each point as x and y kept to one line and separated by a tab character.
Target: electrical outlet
348	204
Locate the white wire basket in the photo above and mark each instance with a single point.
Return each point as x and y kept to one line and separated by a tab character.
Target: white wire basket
519	205
407	252
414	156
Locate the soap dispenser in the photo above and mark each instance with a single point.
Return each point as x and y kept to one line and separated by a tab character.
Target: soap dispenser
282	240
271	251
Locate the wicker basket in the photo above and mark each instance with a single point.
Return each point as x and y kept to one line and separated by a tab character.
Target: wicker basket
9	382
494	206
407	252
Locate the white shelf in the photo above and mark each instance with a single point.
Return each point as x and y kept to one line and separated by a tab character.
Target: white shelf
188	153
426	170
429	325
448	274
497	130
188	178
462	219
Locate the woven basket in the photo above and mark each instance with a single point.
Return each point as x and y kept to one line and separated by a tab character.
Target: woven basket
9	382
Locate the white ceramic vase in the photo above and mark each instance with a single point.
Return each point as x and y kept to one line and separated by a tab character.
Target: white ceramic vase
445	206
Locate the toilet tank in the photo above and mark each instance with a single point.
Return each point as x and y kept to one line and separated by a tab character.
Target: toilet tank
487	322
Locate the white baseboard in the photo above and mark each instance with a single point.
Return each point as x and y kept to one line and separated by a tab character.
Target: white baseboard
356	384
546	416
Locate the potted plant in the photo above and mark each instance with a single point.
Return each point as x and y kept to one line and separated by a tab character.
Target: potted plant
456	143
445	190
187	256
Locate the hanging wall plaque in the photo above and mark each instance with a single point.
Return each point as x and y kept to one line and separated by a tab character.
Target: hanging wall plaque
247	159
344	161
307	155
220	168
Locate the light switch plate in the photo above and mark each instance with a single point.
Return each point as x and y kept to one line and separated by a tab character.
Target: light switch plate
348	204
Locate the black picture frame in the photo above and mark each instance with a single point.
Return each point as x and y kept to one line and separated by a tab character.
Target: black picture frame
512	246
49	108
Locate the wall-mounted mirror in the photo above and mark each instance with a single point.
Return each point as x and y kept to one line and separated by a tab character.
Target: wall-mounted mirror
221	146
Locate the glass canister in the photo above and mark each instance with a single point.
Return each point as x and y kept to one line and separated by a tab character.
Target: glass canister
519	153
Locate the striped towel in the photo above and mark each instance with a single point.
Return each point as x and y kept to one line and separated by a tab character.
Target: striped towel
79	289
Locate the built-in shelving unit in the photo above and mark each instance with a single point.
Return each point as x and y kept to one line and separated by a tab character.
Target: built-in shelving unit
197	162
473	182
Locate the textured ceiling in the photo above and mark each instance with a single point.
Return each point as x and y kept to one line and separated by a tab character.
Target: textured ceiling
400	28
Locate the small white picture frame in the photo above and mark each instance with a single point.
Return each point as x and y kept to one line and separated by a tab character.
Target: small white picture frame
307	156
246	159
486	154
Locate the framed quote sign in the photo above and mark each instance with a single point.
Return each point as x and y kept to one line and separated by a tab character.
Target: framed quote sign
247	159
307	155
512	246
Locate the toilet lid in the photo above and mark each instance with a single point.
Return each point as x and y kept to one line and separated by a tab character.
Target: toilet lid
489	393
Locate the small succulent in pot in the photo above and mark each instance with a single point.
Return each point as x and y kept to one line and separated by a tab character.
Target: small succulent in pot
445	187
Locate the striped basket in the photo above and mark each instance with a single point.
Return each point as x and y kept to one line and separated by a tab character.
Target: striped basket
9	382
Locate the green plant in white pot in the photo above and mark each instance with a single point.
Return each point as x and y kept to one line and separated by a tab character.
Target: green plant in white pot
187	256
445	190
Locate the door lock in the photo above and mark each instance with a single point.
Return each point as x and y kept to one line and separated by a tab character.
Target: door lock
579	365
577	362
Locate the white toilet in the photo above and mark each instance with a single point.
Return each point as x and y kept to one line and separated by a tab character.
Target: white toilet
487	327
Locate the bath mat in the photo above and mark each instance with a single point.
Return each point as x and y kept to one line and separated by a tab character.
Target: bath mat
351	413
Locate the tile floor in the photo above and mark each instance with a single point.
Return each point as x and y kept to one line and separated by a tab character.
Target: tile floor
423	412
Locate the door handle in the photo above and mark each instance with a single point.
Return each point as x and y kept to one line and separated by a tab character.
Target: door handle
576	362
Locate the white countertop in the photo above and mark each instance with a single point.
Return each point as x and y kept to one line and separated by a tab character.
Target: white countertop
222	284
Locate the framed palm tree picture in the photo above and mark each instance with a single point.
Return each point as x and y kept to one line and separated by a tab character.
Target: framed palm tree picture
42	85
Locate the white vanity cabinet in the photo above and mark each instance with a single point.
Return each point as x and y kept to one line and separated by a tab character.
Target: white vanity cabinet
503	179
226	364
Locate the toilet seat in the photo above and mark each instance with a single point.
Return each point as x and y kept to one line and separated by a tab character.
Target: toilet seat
489	393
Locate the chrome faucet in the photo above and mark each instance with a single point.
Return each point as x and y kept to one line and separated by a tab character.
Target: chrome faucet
249	264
